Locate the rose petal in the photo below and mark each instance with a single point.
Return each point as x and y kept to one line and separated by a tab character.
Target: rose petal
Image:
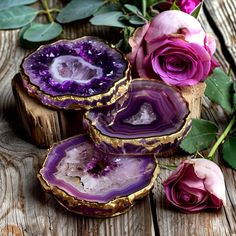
212	176
180	23
135	42
210	43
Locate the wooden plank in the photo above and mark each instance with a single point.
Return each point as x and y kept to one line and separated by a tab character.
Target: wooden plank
221	223
222	13
218	54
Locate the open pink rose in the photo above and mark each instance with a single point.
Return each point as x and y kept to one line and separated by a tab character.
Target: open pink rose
196	185
173	47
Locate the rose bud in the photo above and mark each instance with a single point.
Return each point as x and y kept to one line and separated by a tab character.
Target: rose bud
196	185
187	6
178	50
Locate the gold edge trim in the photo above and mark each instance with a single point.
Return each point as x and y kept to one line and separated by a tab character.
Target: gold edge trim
115	92
98	137
105	215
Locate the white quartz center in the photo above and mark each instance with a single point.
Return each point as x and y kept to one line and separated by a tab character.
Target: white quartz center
73	68
144	116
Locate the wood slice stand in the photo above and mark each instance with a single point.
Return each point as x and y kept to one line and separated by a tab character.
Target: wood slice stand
45	125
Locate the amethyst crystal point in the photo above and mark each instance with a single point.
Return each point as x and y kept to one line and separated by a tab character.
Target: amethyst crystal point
149	119
80	73
90	182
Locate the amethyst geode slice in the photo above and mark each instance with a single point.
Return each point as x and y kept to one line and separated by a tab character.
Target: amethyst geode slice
150	118
90	182
80	73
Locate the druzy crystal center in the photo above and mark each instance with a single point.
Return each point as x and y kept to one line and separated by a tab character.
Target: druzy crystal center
144	116
91	172
69	67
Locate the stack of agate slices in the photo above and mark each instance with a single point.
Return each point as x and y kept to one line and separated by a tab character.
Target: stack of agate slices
128	121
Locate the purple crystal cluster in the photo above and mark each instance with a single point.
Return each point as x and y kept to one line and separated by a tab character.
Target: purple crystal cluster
72	73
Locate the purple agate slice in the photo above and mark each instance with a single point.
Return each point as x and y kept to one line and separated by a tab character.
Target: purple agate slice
82	67
150	116
81	170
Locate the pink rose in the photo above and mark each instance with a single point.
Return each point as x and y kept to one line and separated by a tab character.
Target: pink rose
196	185
187	6
173	47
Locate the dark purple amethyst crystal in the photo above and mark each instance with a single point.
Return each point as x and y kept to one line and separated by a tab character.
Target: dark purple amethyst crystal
151	116
75	72
86	180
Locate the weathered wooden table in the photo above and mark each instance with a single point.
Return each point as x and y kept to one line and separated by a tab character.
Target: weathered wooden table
26	210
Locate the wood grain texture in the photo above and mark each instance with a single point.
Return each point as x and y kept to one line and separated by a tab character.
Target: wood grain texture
26	210
222	13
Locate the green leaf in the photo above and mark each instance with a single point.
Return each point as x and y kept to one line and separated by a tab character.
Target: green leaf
108	19
133	9
11	3
197	10
229	151
16	17
174	7
135	20
201	135
25	43
78	9
123	44
234	86
150	2
234	101
219	89
107	8
42	32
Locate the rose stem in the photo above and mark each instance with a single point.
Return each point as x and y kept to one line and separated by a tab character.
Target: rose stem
144	7
221	138
45	6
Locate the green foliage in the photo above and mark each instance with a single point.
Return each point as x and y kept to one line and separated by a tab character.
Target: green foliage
123	44
151	2
220	89
42	32
229	151
135	20
78	9
4	4
25	43
107	8
15	17
108	19
201	135
133	9
197	10
174	6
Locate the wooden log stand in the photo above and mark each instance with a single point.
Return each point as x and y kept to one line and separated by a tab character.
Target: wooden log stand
45	125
